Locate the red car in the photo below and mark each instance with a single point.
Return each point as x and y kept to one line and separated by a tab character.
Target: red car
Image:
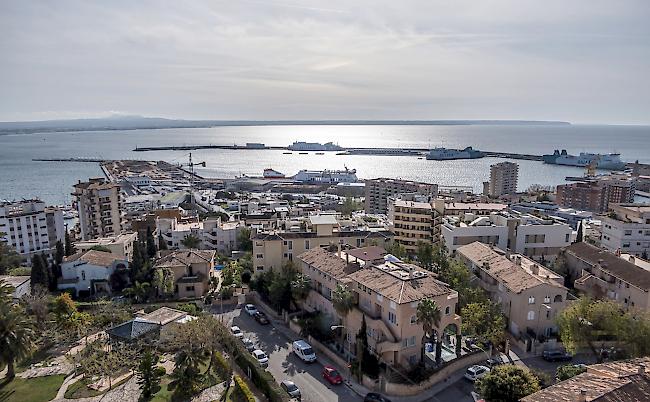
332	375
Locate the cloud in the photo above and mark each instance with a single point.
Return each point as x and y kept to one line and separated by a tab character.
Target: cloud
582	61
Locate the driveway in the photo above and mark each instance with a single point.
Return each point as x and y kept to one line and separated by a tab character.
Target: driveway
285	365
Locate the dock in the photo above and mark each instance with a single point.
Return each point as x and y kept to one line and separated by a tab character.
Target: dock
89	160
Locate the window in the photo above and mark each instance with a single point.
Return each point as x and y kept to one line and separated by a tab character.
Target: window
531	300
447	310
414	319
627	233
547	299
557	299
260	268
83	275
567	238
306	244
189	288
259	256
531	315
392	318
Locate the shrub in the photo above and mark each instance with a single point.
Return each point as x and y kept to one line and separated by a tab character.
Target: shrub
222	368
241	388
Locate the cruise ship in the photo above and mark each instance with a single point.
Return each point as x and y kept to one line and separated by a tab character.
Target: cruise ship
606	162
445	154
314	146
326	176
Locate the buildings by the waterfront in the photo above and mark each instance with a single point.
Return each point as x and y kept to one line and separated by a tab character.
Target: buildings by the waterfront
99	204
626	228
596	194
503	179
29	227
120	245
378	191
212	233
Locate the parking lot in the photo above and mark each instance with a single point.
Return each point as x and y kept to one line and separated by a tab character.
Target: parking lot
284	365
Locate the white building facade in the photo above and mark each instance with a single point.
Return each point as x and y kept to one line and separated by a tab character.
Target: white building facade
627	229
213	234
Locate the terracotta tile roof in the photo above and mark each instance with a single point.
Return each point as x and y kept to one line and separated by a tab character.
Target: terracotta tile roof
612	264
370	253
364	234
94	257
607	382
186	258
329	263
511	275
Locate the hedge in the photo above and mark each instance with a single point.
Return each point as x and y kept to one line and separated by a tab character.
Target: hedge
221	366
242	389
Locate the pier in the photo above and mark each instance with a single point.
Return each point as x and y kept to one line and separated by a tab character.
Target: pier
89	160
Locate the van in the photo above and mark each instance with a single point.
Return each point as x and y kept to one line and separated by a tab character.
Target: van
304	351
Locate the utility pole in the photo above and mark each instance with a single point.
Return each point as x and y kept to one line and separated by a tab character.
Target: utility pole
191	165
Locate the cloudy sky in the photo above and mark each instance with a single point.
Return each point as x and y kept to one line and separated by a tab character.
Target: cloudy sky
584	61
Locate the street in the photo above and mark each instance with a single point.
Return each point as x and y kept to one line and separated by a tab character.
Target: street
284	365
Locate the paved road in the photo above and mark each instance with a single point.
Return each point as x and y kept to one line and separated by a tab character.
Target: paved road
459	391
285	365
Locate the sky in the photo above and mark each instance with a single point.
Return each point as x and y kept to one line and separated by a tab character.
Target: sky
583	61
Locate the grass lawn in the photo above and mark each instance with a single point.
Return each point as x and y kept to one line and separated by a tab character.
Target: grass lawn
163	394
80	389
39	389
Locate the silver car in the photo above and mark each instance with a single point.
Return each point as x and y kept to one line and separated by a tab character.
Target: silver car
291	388
248	344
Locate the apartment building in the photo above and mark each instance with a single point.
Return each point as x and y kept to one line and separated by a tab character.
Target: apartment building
120	245
30	227
627	228
412	222
604	275
530	295
193	270
503	179
597	194
570	215
212	233
89	272
273	248
377	192
386	292
100	208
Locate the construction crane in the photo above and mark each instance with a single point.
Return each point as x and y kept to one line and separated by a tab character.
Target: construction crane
191	165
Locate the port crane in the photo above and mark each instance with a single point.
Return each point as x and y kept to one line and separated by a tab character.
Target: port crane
191	165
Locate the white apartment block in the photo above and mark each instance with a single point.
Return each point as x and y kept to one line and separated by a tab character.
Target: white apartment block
378	191
99	205
29	227
503	179
627	229
520	233
121	245
213	234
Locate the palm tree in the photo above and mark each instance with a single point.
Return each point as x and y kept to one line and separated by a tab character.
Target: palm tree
428	315
16	334
139	291
343	301
300	287
191	241
186	376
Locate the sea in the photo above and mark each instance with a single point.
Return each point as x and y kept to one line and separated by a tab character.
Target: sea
20	177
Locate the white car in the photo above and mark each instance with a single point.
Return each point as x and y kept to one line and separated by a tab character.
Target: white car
475	372
248	344
236	332
250	309
304	351
261	357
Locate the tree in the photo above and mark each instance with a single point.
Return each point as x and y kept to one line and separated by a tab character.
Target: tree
60	252
279	290
349	206
148	374
9	258
484	321
191	241
507	383
186	377
162	243
152	249
16	332
425	254
368	362
139	291
106	360
580	233
428	315
36	304
396	249
244	240
137	266
40	273
568	371
300	287
64	306
342	301
163	282
69	247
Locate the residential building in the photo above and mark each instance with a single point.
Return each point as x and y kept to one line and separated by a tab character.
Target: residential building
412	222
503	179
530	295
120	245
604	275
212	233
596	194
571	216
100	208
627	228
21	284
386	294
617	381
377	192
89	272
274	248
540	238
193	270
29	227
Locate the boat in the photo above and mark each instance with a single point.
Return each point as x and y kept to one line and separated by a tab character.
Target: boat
314	146
602	161
326	176
303	153
445	154
287	153
273	174
320	153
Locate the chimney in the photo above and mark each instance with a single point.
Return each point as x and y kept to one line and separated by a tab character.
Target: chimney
535	269
582	396
641	369
518	260
632	259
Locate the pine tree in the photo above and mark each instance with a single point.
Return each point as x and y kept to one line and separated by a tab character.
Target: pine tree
69	247
60	252
151	244
137	264
39	274
148	374
162	244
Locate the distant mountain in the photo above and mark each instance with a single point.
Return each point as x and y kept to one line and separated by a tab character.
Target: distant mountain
121	122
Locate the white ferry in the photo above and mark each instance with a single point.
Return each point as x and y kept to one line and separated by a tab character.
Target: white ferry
326	176
313	146
273	174
444	154
607	161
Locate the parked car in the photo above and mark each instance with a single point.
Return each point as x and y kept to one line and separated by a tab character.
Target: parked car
261	357
556	356
332	375
250	309
304	351
291	388
374	397
475	372
494	361
248	344
261	318
236	331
